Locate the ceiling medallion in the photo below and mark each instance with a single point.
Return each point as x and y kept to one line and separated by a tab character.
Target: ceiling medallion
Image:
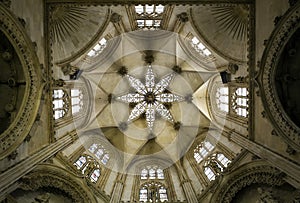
150	97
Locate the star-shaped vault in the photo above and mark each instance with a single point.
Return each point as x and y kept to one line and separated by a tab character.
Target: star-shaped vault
150	97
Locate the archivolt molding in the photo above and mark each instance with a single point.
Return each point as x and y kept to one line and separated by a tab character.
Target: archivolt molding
256	172
18	130
47	175
289	23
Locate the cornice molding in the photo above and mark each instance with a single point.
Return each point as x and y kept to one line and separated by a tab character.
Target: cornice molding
124	2
20	127
283	125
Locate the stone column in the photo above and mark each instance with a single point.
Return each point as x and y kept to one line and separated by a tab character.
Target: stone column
280	162
118	188
186	184
10	176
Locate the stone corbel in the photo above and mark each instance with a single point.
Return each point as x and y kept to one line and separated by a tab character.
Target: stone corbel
72	71
7	3
182	18
116	19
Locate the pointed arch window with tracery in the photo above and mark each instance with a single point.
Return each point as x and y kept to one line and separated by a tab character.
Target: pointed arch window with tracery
240	101
153	192
76	100
149	17
152	172
98	48
230	101
222	99
200	47
215	164
60	103
68	104
88	167
202	151
100	152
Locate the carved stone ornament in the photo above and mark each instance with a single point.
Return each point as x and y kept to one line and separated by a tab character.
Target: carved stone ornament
274	110
69	69
47	175
7	3
115	18
20	127
245	176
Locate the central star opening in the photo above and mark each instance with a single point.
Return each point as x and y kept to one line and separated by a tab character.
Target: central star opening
150	97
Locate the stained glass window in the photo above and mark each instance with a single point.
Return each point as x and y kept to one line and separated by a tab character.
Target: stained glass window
100	152
95	175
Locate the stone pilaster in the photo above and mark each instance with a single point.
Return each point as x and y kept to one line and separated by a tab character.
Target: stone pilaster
118	188
186	184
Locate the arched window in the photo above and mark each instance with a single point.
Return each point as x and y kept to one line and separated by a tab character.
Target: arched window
153	192
95	175
200	47
149	16
80	162
100	152
76	100
240	101
89	167
222	98
98	48
202	151
215	164
60	103
152	172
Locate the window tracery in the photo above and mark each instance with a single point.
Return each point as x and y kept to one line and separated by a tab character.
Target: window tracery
60	103
76	100
215	164
200	47
152	172
152	188
231	101
202	151
153	192
67	103
240	101
100	152
98	48
222	96
149	17
88	167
